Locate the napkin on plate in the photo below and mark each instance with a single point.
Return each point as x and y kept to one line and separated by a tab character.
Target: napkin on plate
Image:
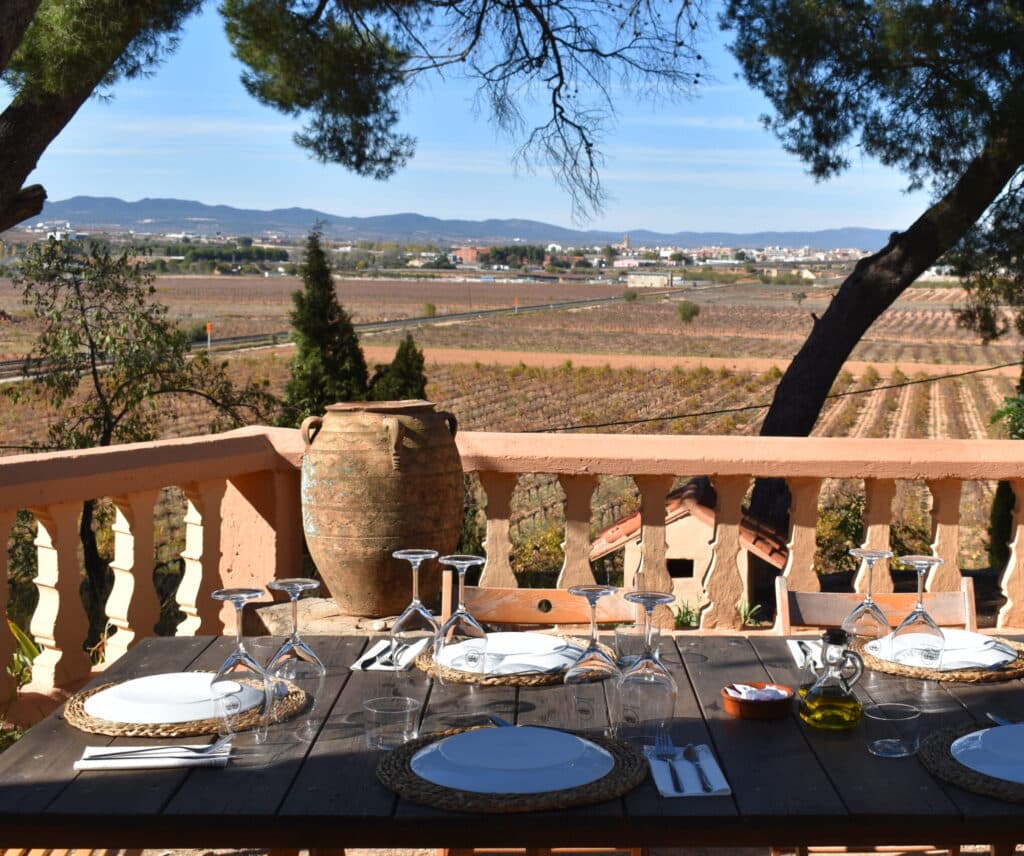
149	757
964	650
371	658
801	649
688	774
749	693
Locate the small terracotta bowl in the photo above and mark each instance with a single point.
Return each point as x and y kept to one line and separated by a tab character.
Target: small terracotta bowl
776	708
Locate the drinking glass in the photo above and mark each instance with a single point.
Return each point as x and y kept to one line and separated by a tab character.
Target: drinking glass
415	622
296	663
918	641
461	628
867	621
646	691
241	668
594	666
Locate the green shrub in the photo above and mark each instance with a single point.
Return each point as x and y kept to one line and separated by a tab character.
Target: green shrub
687	310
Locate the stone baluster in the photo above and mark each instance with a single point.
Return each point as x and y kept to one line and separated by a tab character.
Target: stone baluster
653	543
59	624
724	587
201	576
498	542
1011	614
133	606
878	497
8	685
576	567
946	534
802	544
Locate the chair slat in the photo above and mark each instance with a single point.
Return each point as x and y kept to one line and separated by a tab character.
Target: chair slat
828	609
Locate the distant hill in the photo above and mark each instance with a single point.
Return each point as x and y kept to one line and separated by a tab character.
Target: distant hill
159	216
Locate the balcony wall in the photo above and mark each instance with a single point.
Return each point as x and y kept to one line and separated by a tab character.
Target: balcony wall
243	524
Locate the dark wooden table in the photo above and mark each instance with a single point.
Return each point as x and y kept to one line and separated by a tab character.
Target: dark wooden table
791	784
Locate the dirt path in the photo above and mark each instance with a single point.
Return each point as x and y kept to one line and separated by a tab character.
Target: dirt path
538	359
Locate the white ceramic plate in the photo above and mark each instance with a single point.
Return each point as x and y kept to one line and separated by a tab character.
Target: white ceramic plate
522	760
155	699
964	650
997	752
513	654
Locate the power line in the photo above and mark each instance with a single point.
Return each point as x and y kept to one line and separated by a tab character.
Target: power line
724	410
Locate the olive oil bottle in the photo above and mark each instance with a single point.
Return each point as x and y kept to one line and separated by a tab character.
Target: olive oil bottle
830	703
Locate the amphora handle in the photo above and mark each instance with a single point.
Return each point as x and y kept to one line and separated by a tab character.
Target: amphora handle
310	427
395	431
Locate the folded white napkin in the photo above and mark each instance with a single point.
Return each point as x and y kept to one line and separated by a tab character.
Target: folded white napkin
370	660
963	651
745	691
149	757
801	649
688	774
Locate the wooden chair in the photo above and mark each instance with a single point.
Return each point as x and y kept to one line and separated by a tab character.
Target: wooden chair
805	610
534	607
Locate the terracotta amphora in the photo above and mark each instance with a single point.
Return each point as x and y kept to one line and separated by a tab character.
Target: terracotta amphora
379	477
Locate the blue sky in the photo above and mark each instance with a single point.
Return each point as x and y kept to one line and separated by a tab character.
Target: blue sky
191	132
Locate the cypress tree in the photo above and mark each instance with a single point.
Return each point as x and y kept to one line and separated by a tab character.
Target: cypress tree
403	378
328	365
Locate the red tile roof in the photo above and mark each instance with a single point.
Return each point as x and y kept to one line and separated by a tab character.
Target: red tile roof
696	498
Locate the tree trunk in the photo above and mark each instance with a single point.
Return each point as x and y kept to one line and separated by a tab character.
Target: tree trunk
875	283
15	16
95	572
34	118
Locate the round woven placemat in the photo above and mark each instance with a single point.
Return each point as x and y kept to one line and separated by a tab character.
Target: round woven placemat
936	756
74	714
426	662
395	772
1013	669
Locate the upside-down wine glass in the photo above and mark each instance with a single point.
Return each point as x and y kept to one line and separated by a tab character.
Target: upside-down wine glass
242	671
918	641
867	621
296	663
415	623
646	691
588	674
461	643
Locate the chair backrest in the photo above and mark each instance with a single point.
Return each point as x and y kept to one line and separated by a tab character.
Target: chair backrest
492	605
811	609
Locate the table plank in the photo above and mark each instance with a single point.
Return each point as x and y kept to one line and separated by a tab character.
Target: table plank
38	770
789	781
771	767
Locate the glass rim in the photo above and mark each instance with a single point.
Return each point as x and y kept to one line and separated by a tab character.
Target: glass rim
892	711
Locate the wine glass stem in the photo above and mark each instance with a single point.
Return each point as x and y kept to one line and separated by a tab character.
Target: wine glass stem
593	623
239	606
648	625
920	589
871	573
462	587
295	614
415	582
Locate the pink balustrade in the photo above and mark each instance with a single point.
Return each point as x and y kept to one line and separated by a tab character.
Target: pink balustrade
243	521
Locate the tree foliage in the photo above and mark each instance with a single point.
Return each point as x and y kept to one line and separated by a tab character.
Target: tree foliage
108	361
328	365
547	71
403	378
935	89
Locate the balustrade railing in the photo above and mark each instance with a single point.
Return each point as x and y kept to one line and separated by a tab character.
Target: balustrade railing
243	520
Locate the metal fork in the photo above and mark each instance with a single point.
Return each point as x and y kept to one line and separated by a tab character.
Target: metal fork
665	751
